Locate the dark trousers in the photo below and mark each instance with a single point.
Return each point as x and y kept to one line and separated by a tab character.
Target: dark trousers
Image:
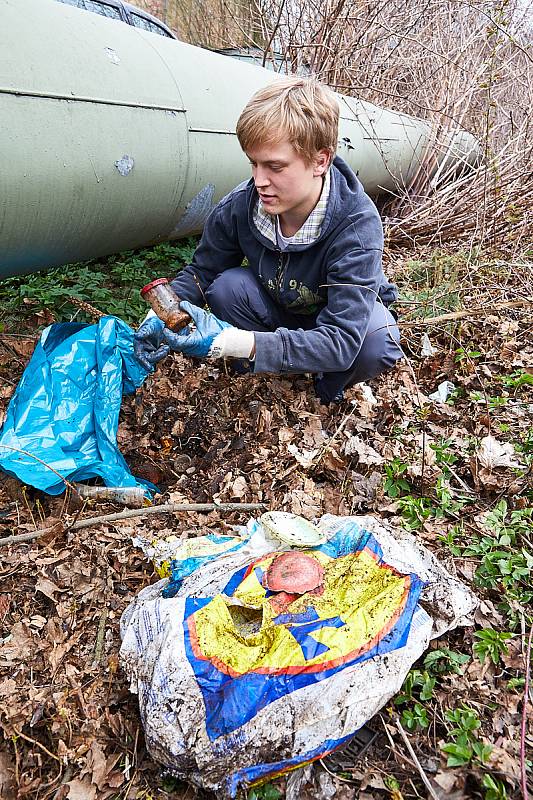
236	296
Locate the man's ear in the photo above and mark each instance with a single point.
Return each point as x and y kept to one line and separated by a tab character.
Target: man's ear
321	162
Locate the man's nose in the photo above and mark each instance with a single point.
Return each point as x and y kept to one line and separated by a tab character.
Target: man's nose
261	178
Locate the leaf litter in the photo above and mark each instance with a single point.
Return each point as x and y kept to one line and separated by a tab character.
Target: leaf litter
70	726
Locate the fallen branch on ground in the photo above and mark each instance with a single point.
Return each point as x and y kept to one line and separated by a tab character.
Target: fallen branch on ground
412	753
164	508
469	312
523	766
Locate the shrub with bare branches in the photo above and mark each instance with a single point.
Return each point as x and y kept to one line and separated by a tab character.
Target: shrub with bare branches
459	64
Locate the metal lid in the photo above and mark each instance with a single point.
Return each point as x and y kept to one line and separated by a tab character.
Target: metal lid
157	282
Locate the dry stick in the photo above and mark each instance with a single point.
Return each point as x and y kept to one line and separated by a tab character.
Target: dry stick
453	315
327	446
41	746
523	776
90	310
69	772
393	746
164	508
412	753
23	537
99	646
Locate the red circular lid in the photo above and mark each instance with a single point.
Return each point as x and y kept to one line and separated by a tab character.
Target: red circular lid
293	572
157	282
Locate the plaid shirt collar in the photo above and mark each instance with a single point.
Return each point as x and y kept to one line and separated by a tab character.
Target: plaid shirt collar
310	231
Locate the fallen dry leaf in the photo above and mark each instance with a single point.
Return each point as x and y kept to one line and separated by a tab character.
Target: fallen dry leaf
7	772
81	790
305	458
355	446
5	603
493	454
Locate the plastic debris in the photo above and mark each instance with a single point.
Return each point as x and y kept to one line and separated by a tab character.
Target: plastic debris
133	496
64	412
291	529
309	781
427	348
238	683
443	392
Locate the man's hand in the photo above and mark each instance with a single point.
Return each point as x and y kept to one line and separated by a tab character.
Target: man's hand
199	340
148	344
210	337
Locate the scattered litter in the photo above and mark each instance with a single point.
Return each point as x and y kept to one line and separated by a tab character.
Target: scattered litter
165	303
443	392
368	394
64	412
307	782
292	529
345	759
133	496
267	658
427	348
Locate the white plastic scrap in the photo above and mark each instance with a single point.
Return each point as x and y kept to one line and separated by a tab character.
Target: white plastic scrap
444	390
427	348
312	711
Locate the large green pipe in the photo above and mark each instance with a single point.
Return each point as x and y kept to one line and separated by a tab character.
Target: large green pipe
112	138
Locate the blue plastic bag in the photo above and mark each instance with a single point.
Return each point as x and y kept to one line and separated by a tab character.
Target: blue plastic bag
65	409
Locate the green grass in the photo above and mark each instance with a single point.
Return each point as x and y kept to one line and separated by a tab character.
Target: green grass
111	285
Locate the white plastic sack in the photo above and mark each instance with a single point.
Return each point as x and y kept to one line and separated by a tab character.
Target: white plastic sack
238	684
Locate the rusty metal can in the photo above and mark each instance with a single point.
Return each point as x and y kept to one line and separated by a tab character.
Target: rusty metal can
166	303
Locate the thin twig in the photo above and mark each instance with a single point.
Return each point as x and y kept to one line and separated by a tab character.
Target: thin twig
425	779
31	455
523	776
164	508
393	747
167	508
20	538
470	312
41	746
328	445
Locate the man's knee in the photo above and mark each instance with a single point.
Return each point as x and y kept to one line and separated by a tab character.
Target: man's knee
226	291
379	352
235	296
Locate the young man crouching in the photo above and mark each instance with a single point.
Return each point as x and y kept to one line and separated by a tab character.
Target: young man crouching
313	297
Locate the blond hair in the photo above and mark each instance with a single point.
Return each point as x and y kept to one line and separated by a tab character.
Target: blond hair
301	110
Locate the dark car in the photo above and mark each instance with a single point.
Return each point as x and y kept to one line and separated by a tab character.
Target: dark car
124	12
